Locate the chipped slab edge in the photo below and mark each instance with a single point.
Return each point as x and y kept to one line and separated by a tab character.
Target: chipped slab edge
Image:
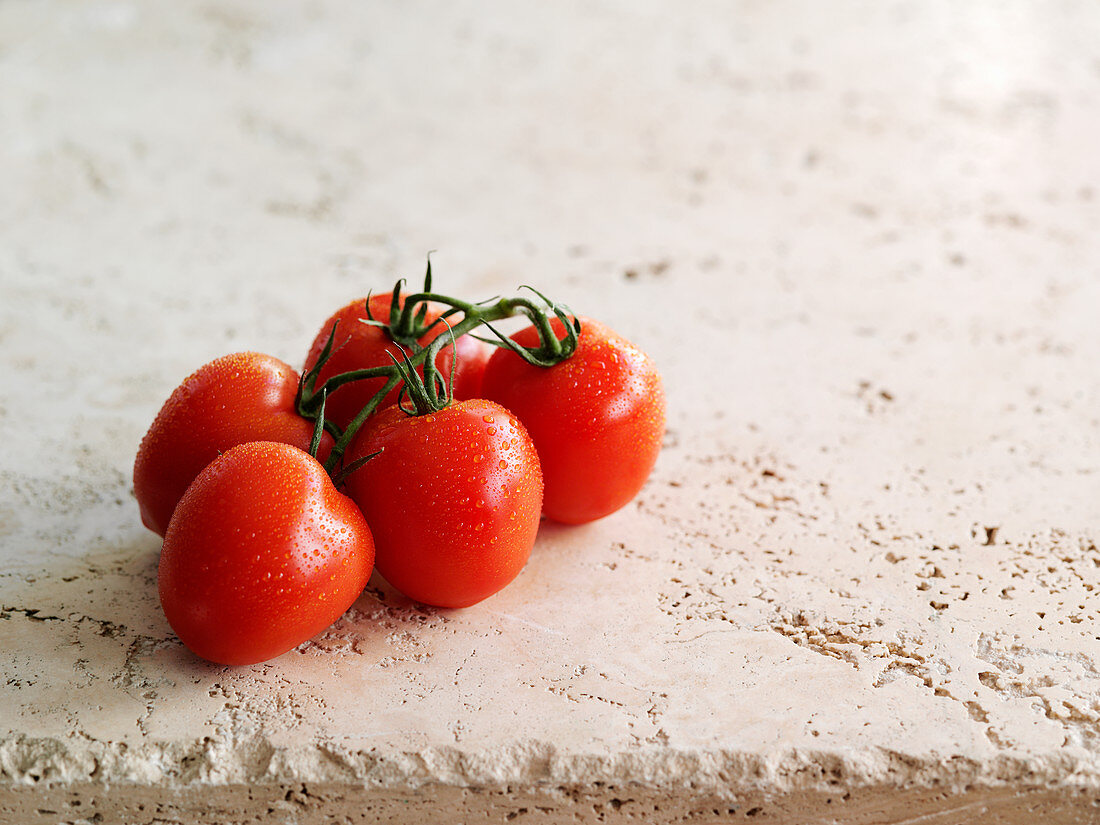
27	761
217	781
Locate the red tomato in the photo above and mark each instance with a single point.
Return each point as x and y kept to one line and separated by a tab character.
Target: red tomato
261	554
361	346
232	400
453	499
596	418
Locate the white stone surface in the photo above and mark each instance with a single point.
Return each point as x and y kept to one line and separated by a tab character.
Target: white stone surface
861	239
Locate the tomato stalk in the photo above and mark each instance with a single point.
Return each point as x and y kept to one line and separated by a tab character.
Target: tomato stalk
407	325
318	426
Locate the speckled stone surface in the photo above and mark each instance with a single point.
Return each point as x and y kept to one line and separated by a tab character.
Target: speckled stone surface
862	241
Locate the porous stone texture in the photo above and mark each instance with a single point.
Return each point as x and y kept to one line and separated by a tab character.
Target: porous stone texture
862	241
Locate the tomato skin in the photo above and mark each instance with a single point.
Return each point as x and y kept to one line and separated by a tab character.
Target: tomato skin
361	346
453	499
597	419
261	554
246	396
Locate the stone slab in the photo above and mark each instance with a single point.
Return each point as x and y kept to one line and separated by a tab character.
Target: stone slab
859	239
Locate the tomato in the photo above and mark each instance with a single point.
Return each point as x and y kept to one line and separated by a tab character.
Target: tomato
232	400
597	419
261	554
452	499
360	346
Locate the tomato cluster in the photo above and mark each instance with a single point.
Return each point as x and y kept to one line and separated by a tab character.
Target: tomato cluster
448	454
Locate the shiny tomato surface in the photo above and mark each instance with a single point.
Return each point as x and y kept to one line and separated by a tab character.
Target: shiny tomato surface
247	396
597	419
453	499
261	554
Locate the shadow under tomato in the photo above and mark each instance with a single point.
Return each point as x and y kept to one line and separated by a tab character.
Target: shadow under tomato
369	625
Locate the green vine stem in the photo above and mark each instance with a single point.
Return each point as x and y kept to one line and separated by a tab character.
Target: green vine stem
407	325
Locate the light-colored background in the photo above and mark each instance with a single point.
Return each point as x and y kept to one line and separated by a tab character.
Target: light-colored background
860	239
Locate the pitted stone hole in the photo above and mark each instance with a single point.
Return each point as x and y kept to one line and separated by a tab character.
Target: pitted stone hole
977	713
754	811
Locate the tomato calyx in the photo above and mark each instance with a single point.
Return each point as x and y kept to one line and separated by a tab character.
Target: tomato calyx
318	425
426	395
407	326
551	350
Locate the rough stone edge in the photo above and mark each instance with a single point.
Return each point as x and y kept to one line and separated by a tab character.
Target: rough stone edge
29	761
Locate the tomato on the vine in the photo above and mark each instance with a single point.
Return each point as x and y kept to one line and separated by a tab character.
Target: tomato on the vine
360	345
452	498
232	400
597	418
261	554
